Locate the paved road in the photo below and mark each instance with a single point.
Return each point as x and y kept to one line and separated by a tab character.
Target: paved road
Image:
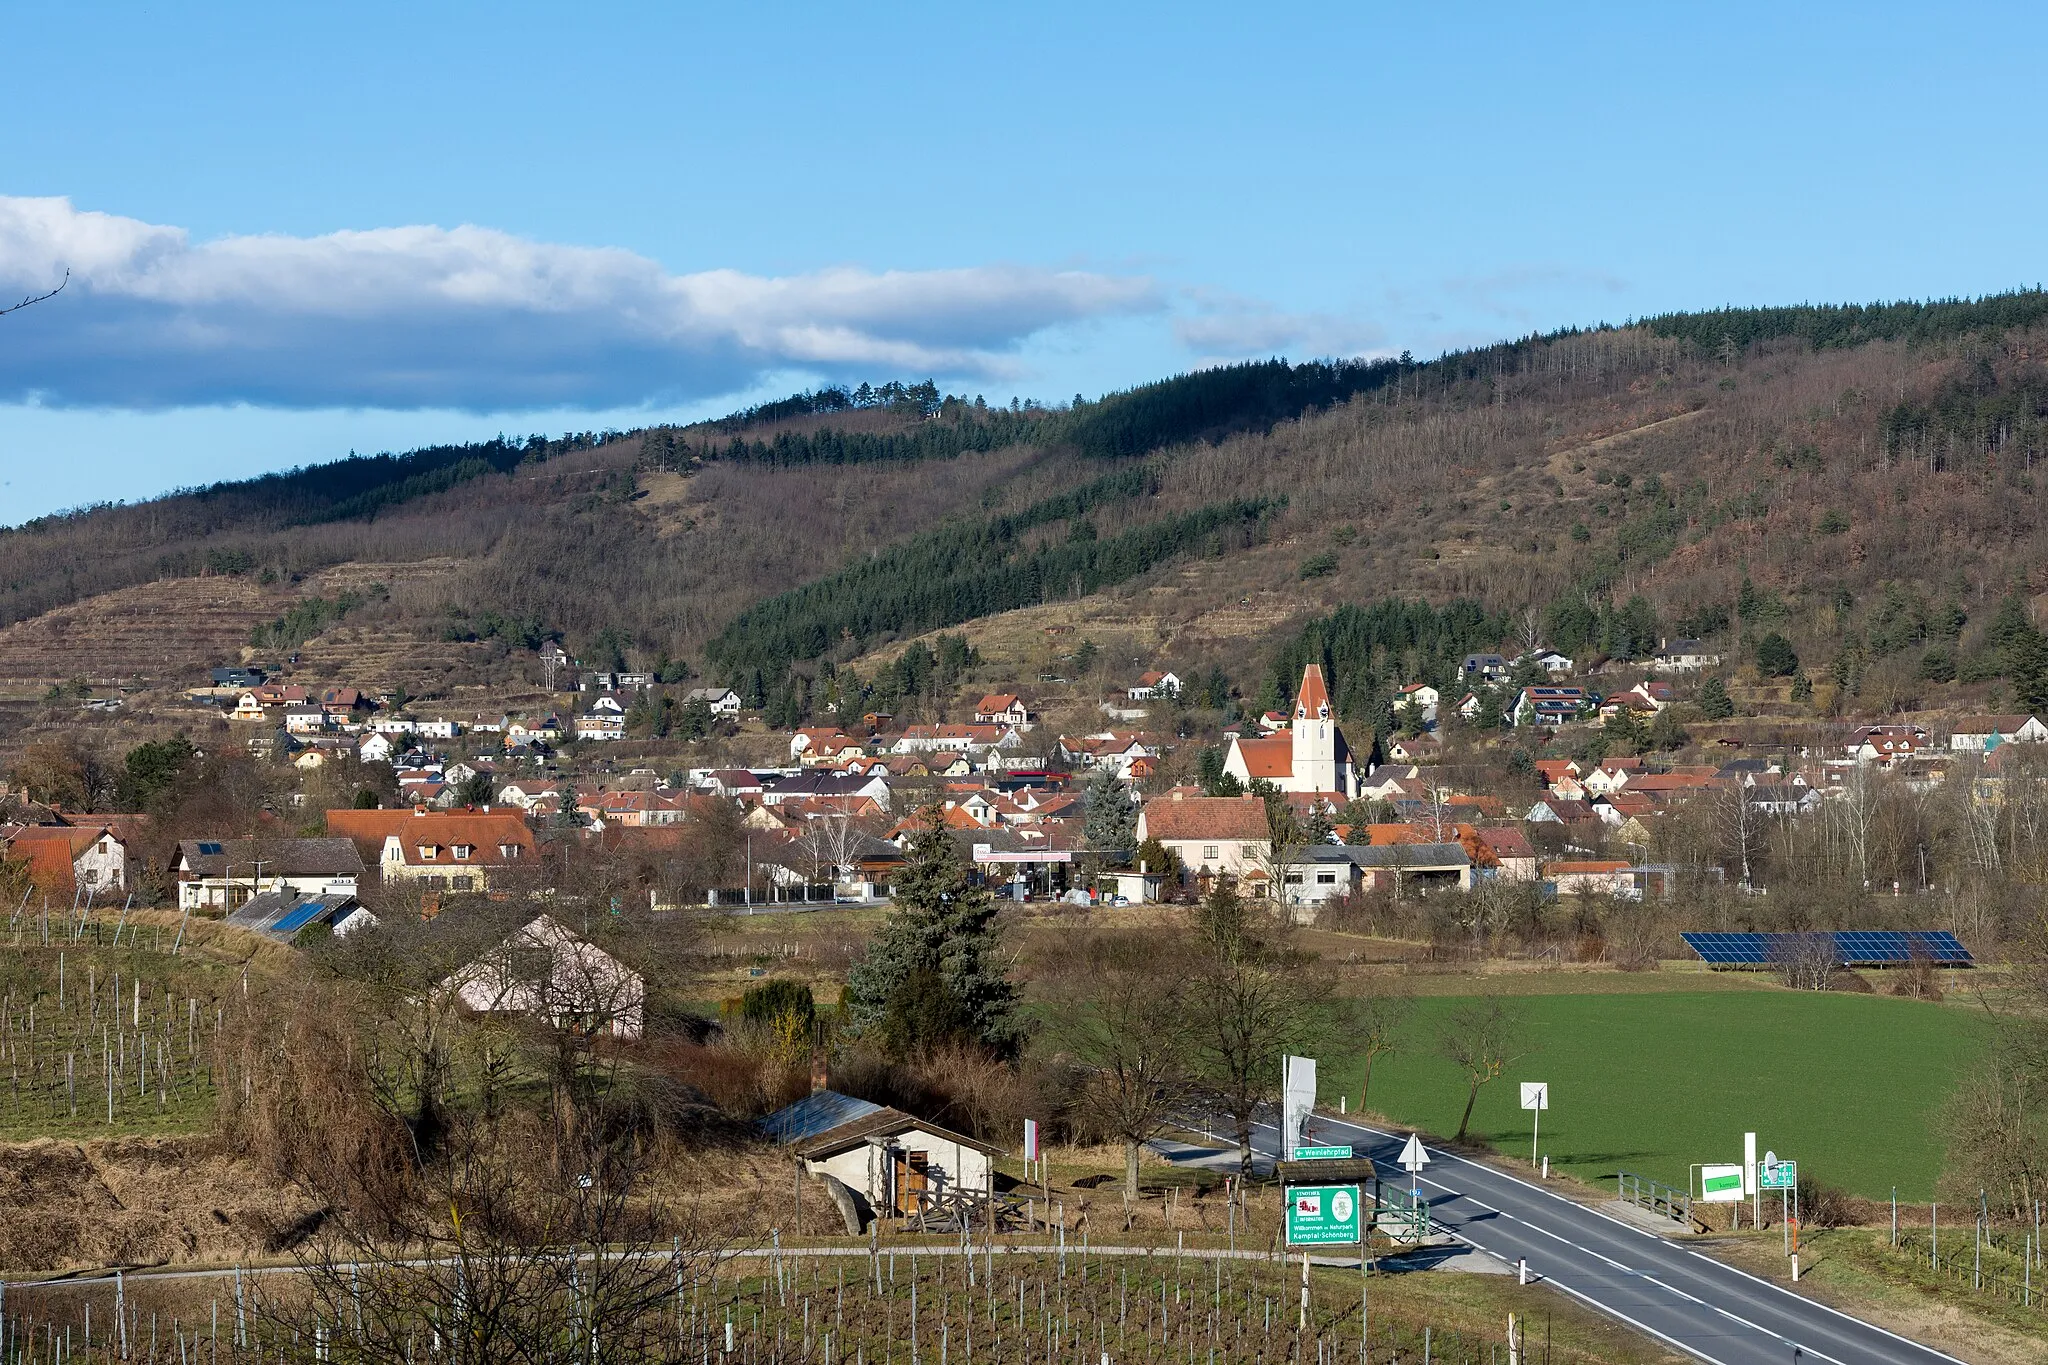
1666	1290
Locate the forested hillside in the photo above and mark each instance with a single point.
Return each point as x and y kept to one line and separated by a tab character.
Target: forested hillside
1858	481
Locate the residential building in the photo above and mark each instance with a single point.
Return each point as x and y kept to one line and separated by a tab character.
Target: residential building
1591	877
1551	705
1153	684
1684	656
1981	734
1510	850
223	874
722	701
1209	834
545	971
307	720
814	784
1002	708
65	860
1422	696
439	850
285	915
1484	668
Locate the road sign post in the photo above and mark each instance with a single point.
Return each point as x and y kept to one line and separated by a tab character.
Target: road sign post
1536	1099
1412	1160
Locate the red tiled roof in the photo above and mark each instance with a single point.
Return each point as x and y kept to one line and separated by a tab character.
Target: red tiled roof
1206	817
483	829
1313	701
1267	758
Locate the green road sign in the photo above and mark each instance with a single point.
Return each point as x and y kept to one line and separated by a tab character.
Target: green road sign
1783	1176
1322	1215
1323	1153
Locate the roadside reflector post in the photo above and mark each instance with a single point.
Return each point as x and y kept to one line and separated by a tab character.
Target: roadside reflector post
1522	1271
1546	1168
1795	1267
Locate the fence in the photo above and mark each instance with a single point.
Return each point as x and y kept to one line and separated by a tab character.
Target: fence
1664	1200
1965	1265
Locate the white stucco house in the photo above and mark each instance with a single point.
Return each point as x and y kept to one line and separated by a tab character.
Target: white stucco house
546	970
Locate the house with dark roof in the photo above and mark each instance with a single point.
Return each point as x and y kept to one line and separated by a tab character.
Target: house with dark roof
284	915
221	874
894	1164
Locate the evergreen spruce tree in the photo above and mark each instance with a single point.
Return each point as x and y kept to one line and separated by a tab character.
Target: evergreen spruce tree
1112	822
1713	701
937	971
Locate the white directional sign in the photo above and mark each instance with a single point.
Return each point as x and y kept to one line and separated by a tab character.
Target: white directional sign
1721	1184
1413	1158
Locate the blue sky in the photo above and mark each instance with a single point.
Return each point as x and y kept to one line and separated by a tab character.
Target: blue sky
298	230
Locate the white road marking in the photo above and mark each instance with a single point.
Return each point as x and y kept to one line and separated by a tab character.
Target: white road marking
1627	1270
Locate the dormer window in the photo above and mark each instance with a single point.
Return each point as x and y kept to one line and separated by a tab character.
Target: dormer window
463	851
508	851
427	852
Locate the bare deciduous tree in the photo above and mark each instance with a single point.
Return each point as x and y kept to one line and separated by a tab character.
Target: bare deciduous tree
1251	1001
1374	1029
1124	1022
1805	962
1483	1039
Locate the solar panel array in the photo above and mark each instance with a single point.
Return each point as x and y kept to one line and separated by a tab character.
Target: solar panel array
1853	947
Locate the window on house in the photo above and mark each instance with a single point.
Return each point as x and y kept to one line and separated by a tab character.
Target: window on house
1326	879
463	851
1210	852
508	851
427	852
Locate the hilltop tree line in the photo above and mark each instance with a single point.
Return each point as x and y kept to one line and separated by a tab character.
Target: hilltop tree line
1839	326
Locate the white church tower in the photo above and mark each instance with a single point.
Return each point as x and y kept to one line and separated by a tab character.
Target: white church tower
1315	736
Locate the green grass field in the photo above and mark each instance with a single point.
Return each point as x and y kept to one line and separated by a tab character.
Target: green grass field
1849	1085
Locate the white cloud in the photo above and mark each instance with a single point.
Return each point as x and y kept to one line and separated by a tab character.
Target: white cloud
1225	327
476	319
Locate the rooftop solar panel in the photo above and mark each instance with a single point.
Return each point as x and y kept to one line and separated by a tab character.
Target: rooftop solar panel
296	917
1853	947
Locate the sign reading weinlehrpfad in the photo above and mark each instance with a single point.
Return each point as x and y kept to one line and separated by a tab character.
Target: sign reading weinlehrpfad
1323	1153
1322	1215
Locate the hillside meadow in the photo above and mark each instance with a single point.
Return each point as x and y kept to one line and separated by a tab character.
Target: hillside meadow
1850	1086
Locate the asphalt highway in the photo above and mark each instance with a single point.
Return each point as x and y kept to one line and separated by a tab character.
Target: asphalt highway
1664	1289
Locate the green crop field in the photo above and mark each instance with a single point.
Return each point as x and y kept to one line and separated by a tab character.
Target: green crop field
1849	1085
